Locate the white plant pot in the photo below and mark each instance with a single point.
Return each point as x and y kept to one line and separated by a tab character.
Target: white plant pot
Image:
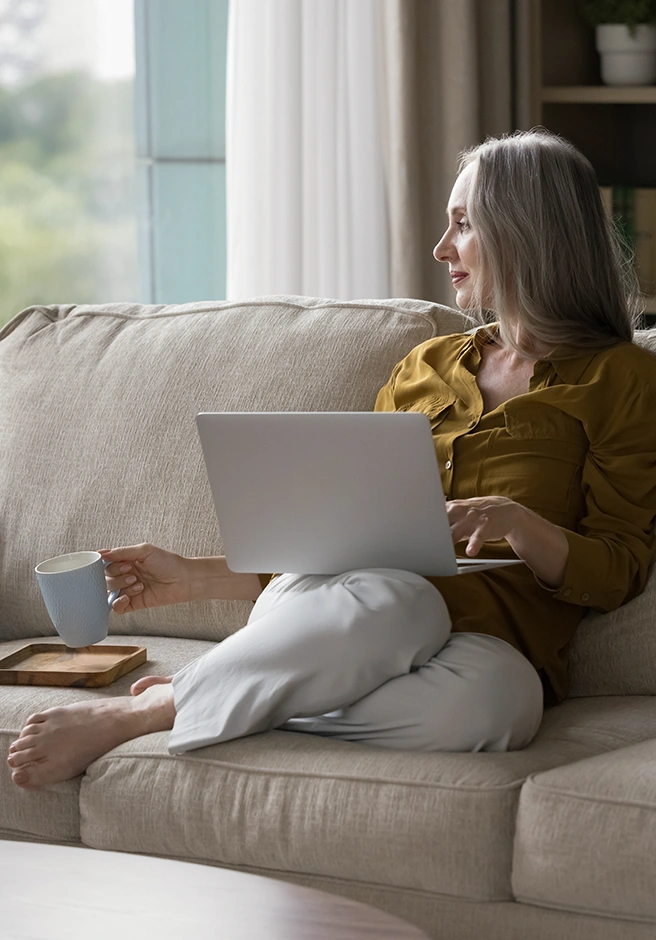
627	59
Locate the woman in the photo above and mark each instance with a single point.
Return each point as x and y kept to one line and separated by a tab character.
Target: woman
543	426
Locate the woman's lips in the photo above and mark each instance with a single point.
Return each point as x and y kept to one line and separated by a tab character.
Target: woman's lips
457	277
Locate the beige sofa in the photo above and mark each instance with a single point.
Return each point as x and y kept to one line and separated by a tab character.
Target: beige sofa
98	448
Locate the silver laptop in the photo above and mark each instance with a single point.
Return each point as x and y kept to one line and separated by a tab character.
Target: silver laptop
328	492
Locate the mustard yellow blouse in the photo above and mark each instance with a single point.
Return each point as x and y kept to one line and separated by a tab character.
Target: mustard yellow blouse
579	449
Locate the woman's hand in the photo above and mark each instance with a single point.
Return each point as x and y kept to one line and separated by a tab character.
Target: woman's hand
147	577
542	545
483	519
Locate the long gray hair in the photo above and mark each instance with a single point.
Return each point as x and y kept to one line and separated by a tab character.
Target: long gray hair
555	265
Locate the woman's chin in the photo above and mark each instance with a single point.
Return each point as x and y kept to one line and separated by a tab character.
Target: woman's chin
462	299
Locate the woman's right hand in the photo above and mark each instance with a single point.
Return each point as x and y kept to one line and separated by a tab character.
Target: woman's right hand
147	576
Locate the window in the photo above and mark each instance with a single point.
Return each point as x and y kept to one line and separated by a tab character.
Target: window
68	219
180	95
112	151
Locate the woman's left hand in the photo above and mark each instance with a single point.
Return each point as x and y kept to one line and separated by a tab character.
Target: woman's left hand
483	519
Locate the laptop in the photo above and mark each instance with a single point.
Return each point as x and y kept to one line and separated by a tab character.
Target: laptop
328	492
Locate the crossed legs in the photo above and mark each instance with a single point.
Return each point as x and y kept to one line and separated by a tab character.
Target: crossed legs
364	656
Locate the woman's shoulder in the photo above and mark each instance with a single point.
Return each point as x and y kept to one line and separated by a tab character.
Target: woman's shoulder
626	362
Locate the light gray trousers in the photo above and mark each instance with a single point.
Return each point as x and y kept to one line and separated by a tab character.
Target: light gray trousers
363	656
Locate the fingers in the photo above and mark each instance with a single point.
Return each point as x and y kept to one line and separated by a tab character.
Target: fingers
127	605
127	554
464	524
121	605
477	538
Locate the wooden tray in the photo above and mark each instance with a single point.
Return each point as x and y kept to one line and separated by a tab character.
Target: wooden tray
57	664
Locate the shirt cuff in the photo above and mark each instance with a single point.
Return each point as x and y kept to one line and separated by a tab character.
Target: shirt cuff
580	581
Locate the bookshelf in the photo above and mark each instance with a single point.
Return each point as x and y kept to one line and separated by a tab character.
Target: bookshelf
614	126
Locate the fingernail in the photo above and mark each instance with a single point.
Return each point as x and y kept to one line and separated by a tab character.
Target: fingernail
125	568
130	580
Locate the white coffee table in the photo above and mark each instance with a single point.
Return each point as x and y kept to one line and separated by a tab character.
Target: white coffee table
53	892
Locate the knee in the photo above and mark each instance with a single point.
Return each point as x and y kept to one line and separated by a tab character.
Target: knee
404	599
489	697
512	698
379	586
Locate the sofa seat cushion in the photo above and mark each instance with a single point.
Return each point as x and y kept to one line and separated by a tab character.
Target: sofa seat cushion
53	812
293	802
586	834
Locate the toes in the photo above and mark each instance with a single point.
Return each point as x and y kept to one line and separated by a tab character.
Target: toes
35	719
20	743
20	777
146	682
18	758
28	730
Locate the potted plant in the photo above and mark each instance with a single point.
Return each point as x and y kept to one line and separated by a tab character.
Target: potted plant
625	38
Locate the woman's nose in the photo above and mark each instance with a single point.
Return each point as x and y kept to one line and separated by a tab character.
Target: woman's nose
443	250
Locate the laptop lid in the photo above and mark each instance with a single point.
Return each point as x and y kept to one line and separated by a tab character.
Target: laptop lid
328	492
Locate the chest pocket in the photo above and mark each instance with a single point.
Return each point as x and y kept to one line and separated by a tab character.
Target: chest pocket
435	406
547	450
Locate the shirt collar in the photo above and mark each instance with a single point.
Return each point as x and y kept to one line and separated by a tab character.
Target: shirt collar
568	364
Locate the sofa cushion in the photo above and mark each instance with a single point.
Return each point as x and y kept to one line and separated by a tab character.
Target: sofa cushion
615	653
290	802
53	812
586	834
98	442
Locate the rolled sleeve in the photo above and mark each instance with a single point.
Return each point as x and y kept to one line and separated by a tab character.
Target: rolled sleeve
611	552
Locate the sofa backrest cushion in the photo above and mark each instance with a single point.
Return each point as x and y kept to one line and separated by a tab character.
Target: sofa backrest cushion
98	442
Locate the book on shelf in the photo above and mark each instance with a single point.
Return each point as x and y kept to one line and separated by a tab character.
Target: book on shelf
634	210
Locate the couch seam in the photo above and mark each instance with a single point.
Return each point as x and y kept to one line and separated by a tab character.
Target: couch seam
181	313
509	788
588	798
572	909
334	879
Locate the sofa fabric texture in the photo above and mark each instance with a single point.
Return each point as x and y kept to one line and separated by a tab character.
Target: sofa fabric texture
598	815
98	447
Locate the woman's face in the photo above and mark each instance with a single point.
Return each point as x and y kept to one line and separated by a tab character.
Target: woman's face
459	246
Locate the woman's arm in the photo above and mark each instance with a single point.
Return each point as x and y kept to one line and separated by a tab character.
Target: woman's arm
539	543
211	579
148	576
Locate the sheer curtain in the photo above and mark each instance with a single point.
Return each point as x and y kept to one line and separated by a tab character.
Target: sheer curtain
306	202
344	120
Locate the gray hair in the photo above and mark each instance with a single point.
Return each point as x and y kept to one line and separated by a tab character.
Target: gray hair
557	268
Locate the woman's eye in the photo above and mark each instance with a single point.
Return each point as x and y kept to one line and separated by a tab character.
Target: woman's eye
463	224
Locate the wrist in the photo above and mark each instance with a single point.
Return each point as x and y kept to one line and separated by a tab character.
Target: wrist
211	579
205	576
541	544
522	528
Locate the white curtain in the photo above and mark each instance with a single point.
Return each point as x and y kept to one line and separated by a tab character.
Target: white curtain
305	176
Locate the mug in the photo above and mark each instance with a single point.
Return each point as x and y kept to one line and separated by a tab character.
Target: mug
75	593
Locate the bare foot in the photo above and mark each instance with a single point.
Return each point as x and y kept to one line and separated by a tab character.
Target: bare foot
146	681
60	743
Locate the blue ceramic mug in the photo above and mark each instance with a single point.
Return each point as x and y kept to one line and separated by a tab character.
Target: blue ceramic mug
75	593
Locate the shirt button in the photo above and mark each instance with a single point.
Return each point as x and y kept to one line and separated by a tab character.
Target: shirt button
448	465
585	597
567	592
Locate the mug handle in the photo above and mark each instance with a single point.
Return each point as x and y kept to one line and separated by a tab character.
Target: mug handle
114	594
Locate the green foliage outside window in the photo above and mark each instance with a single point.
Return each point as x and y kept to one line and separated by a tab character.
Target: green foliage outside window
67	202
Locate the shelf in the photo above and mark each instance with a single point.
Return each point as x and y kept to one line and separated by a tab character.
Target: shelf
600	94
